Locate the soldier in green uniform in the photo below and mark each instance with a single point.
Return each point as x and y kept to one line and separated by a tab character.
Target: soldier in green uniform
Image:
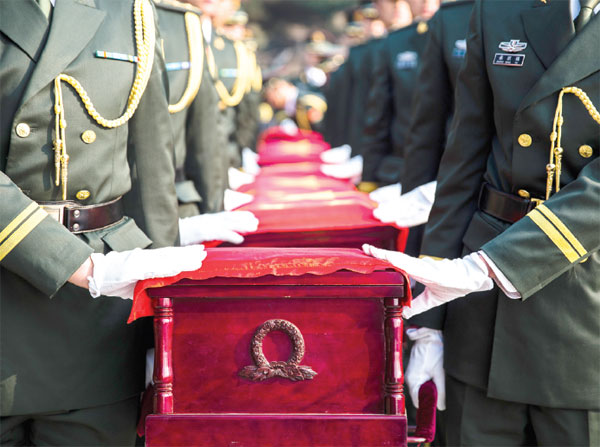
388	107
337	94
201	164
519	189
247	116
333	92
86	145
433	108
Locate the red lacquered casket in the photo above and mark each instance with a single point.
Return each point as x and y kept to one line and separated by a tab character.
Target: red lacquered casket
280	359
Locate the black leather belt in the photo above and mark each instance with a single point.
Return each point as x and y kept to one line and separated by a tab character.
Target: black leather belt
80	219
503	206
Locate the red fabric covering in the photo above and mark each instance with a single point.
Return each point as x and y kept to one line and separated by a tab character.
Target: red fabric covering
283	151
293	170
426	411
281	211
283	184
276	133
256	262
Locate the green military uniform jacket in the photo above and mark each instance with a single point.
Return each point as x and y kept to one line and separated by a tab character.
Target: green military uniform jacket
433	101
360	66
388	109
337	96
247	112
200	160
227	72
544	350
62	349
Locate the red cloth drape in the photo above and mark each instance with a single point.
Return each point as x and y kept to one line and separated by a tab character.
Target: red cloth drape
251	262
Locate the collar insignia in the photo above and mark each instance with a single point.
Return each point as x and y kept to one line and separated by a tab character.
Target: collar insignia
406	60
460	48
513	46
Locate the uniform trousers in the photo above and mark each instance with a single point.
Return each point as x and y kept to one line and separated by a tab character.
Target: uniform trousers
112	425
473	419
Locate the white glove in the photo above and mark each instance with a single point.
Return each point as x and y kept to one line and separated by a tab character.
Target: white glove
149	367
250	161
289	127
352	169
426	363
235	199
386	193
238	178
116	273
224	226
336	155
410	209
444	280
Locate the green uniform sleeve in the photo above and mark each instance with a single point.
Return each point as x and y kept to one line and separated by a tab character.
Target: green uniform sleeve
206	159
464	161
247	120
552	238
152	201
33	245
376	139
431	109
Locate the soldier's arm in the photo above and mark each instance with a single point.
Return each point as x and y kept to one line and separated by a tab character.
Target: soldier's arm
464	160
206	160
341	97
35	246
431	108
553	238
152	201
247	121
376	139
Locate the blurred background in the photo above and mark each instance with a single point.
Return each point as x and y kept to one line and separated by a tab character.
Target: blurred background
285	29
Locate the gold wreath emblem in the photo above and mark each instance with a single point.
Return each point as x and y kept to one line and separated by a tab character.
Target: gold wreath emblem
263	369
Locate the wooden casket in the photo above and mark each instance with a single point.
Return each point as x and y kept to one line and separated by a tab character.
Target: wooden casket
288	360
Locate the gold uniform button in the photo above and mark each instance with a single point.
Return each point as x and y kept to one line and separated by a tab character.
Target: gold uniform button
23	130
88	137
219	43
524	193
586	151
83	194
525	140
422	28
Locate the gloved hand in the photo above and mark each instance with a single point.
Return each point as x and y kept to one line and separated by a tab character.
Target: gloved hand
426	363
116	273
289	127
336	155
149	367
410	209
386	193
250	161
238	178
223	226
235	199
351	170
444	280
